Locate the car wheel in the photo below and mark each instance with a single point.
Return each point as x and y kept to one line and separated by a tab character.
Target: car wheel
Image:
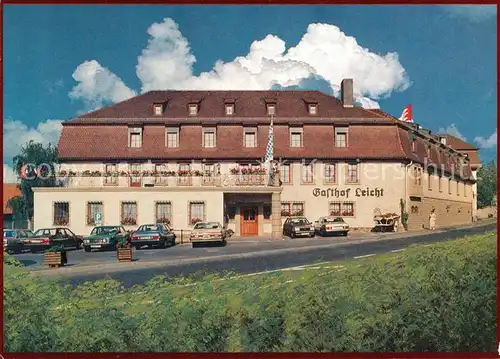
292	235
194	244
33	250
344	234
78	245
87	249
322	233
137	247
163	244
312	235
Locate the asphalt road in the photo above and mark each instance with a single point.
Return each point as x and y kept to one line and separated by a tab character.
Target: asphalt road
242	257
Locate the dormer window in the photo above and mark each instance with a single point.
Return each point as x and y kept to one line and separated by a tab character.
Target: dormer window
271	109
414	145
313	109
442	140
229	109
193	109
157	109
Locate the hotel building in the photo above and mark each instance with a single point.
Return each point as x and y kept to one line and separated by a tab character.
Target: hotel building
185	156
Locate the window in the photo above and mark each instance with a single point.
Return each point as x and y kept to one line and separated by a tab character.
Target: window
209	173
184	174
296	137
271	109
158	109
135	138
419	177
196	212
193	109
352	173
61	213
267	212
231	212
292	209
209	137
229	109
129	213
308	173
110	178
440	184
449	185
335	208
348	209
313	109
93	209
135	175
465	190
163	212
415	175
429	181
250	137
172	137
285	173
458	188
161	174
428	153
330	173
414	145
341	137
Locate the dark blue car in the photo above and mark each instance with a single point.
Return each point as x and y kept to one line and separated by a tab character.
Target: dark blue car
157	235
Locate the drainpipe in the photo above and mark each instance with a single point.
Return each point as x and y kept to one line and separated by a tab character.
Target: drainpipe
406	185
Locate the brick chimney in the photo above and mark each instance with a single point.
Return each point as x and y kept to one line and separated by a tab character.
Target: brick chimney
346	92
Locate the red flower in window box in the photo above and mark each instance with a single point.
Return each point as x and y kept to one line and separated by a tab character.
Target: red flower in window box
62	173
244	171
285	213
124	173
163	220
335	213
348	213
197	173
183	173
86	173
128	221
195	220
90	221
235	170
298	213
61	221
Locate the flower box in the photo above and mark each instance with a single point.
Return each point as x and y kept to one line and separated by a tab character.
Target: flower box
61	222
55	259
195	220
335	213
235	171
285	213
163	220
124	254
128	221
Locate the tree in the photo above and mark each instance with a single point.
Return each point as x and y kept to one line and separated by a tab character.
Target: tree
38	165
486	185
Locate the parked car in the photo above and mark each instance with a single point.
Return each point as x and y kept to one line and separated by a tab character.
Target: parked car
331	225
153	235
205	232
297	227
104	237
13	239
47	237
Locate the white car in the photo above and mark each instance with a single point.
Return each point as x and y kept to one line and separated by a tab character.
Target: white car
204	232
331	225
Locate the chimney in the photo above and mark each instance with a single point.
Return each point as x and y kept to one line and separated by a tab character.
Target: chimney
346	92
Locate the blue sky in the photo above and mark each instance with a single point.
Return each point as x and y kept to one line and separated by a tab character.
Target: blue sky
60	61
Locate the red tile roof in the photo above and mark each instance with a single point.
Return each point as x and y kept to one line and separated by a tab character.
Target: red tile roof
456	143
373	134
9	191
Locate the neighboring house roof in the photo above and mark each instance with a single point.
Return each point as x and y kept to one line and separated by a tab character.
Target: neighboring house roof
9	191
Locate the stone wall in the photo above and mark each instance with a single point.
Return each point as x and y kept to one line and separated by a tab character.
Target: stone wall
448	213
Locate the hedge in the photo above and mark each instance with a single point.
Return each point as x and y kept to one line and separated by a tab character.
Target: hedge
433	298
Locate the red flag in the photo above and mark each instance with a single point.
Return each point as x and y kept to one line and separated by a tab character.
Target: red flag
407	116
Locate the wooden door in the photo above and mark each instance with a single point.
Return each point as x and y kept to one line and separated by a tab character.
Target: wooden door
249	225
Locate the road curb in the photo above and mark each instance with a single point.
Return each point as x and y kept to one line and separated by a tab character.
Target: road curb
109	268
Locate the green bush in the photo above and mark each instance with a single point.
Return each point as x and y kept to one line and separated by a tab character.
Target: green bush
434	298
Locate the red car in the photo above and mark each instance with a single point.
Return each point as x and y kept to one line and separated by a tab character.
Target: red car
47	237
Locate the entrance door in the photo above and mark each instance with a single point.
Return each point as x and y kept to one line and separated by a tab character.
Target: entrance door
249	225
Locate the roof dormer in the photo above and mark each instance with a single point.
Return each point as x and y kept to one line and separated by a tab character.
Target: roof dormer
270	106
194	107
229	106
158	108
312	106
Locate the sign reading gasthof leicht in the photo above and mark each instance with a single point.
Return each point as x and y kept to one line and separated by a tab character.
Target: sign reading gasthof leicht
344	193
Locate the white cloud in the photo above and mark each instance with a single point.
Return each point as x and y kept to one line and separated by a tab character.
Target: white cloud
474	13
452	130
16	134
8	174
324	51
489	142
97	86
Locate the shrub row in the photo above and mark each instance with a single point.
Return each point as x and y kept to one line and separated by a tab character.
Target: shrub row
428	298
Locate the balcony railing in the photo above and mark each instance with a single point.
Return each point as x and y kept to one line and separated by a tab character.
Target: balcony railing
221	180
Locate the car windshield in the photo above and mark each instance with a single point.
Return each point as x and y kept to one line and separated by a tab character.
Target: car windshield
149	228
299	221
334	220
29	233
9	234
207	225
47	232
104	230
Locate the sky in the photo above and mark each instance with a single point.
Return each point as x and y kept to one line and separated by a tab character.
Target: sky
61	61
